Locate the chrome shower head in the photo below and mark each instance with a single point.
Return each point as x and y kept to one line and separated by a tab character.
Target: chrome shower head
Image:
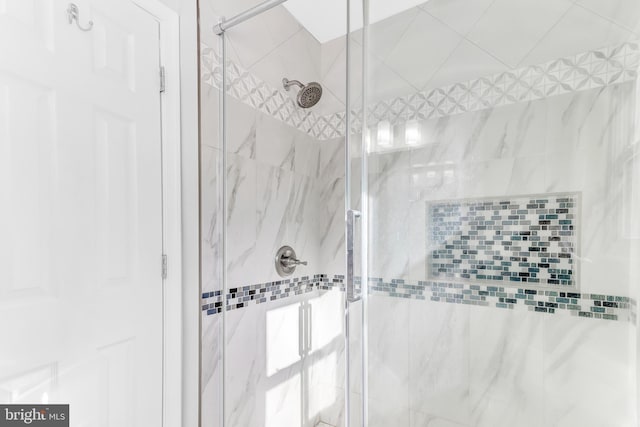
309	94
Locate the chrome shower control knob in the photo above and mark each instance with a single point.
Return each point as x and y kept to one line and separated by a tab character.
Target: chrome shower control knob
286	261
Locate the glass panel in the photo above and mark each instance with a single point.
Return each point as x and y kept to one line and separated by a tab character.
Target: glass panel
273	355
503	192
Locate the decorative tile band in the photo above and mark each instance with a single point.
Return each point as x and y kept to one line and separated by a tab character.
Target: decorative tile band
524	239
588	70
596	306
274	102
244	296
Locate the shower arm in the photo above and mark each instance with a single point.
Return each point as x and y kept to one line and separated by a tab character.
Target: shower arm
288	83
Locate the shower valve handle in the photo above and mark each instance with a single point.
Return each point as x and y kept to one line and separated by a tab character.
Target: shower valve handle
290	262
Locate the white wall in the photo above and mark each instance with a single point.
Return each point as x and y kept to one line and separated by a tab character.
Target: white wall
187	10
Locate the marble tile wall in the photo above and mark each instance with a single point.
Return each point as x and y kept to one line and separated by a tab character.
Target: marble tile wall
474	366
280	356
284	186
582	71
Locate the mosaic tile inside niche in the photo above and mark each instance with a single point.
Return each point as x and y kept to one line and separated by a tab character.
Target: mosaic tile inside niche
530	240
588	70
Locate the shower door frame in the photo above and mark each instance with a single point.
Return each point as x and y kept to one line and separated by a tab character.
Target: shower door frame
356	220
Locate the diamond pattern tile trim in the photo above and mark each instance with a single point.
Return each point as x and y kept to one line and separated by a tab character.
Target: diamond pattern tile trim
588	70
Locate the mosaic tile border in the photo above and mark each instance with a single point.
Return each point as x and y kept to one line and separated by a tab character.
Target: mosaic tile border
588	70
597	306
552	302
259	293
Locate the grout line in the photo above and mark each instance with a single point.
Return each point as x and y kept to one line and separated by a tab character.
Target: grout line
276	47
608	19
546	33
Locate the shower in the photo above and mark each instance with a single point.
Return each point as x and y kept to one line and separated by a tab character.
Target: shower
309	94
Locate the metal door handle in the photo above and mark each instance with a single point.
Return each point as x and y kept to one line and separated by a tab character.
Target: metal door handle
352	215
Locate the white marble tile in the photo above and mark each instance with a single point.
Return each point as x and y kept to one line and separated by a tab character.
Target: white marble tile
385	35
623	12
330	52
210	116
431	180
245	370
448	137
388	351
211	371
579	30
307	157
527	176
356	369
275	142
467	62
241	128
449	12
382	413
418	419
388	82
511	28
439	360
589	118
241	221
506	367
333	75
331	215
211	226
389	201
333	67
422	50
516	130
331	102
208	18
274	197
588	368
417	241
325	363
258	37
484	179
302	218
326	406
332	158
298	58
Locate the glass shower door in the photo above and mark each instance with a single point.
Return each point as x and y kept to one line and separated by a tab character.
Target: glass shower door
502	194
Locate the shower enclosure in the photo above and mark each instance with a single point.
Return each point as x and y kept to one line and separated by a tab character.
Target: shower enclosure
465	194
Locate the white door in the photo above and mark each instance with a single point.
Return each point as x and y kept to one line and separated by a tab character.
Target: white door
80	211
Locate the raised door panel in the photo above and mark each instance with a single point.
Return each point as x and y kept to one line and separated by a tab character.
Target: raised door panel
27	167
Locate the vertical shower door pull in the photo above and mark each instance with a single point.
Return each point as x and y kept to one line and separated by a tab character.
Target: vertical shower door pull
352	215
